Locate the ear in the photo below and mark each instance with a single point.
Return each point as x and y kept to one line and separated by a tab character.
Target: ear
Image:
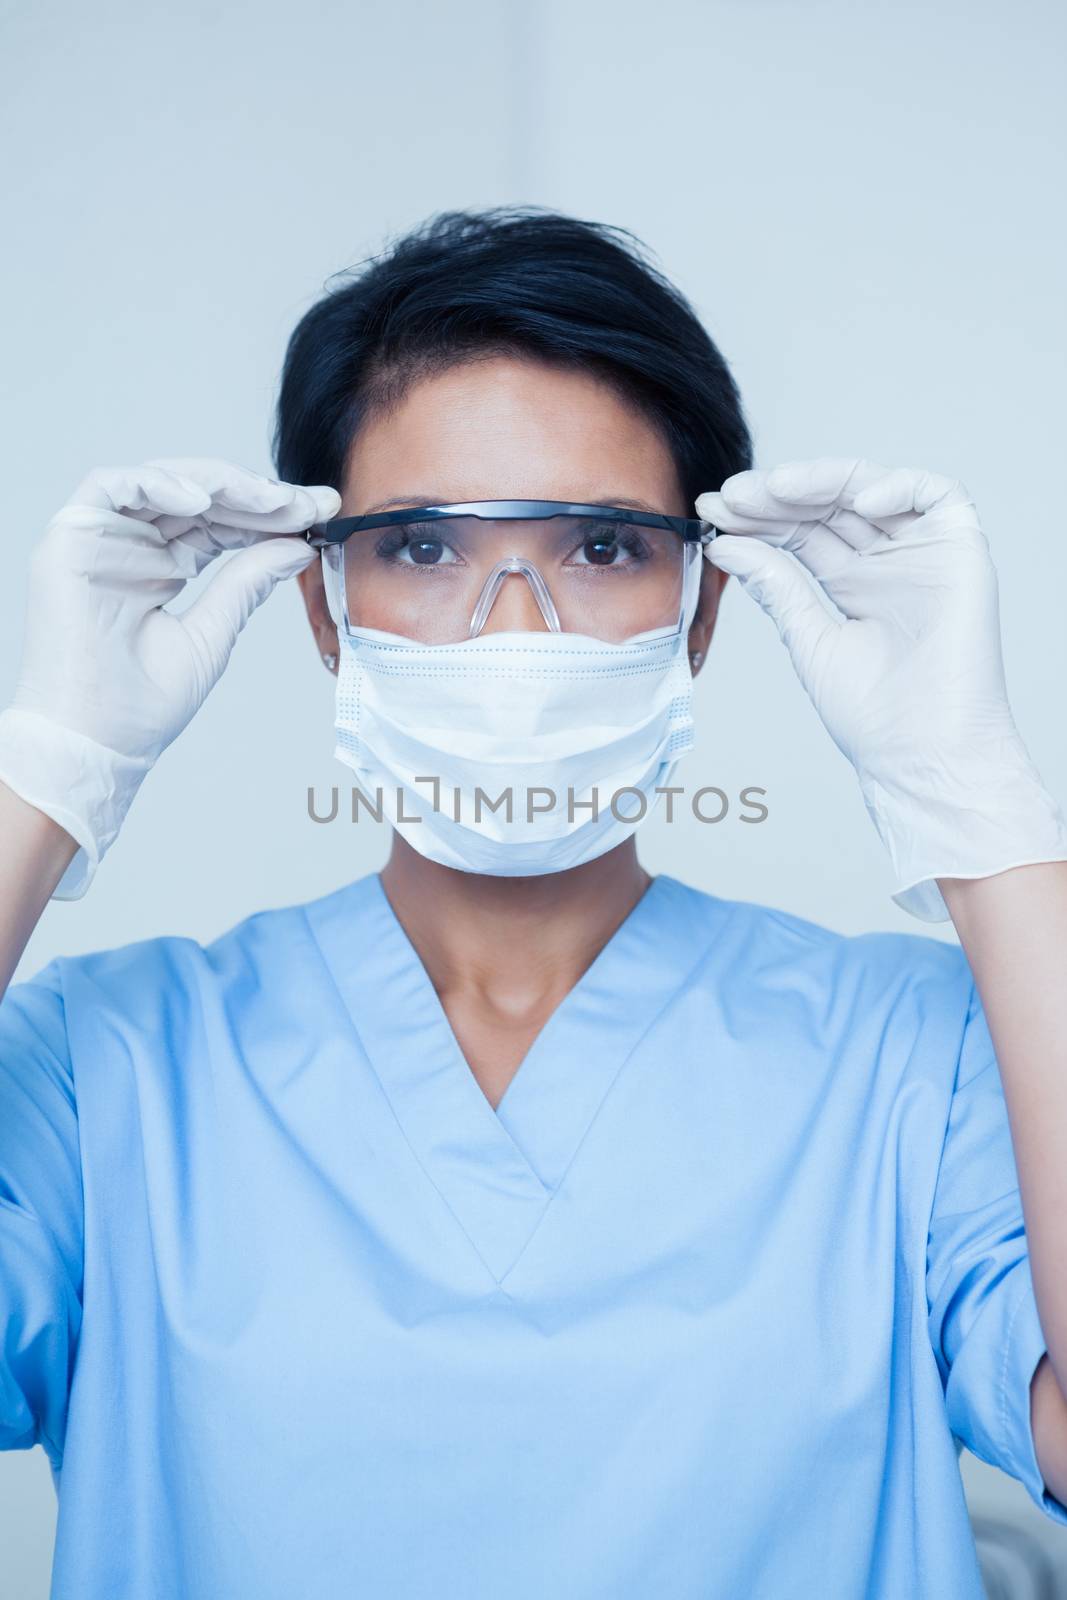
322	624
712	584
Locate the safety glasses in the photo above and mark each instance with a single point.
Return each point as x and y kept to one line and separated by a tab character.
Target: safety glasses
436	573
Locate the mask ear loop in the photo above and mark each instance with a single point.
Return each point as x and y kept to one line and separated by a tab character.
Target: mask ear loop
494	584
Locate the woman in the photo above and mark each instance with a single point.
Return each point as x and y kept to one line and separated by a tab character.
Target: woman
509	1223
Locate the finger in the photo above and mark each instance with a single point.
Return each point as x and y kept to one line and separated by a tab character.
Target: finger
790	527
119	570
749	494
774	529
897	503
859	532
228	483
216	617
304	507
822	552
139	489
238	493
753	494
858	583
162	496
825	481
194	547
906	490
212	533
138	557
828	488
142	558
828	480
781	588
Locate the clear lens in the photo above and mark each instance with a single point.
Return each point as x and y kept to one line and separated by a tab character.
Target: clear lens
425	579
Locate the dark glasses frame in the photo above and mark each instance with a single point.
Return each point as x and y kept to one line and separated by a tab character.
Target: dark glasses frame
694	530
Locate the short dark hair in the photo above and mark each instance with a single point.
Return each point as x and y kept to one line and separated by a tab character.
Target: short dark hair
512	280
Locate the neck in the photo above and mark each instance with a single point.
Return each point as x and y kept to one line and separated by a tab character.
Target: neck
519	944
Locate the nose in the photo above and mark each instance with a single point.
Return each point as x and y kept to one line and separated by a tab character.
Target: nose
515	608
516	614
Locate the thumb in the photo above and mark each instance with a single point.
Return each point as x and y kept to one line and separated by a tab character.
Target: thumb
242	583
779	584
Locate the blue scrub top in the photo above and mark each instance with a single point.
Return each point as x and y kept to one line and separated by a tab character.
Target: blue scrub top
701	1310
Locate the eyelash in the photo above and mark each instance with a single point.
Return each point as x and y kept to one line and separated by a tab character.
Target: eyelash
395	540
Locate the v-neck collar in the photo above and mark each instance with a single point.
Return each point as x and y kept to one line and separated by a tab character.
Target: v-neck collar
497	1170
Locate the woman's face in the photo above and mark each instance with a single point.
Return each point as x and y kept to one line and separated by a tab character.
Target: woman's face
500	428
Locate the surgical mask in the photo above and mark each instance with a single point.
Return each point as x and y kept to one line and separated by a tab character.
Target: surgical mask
521	752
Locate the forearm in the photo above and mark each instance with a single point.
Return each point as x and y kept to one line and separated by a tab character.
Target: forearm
1013	929
35	853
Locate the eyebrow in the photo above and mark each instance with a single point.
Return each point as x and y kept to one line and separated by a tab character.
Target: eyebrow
436	500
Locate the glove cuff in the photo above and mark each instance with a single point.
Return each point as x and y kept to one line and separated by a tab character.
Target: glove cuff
84	787
1008	819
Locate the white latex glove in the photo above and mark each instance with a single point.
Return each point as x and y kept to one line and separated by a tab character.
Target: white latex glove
909	679
108	678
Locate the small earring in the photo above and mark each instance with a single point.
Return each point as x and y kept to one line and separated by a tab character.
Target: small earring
695	658
329	662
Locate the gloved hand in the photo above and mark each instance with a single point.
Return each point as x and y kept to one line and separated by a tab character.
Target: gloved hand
108	678
909	680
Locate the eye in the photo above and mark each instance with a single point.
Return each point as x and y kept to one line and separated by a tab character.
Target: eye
416	545
610	544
